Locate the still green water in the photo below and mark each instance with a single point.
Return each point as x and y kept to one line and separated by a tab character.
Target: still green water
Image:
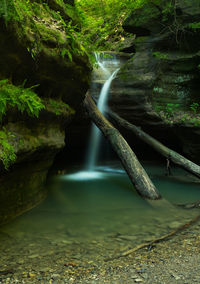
83	207
86	219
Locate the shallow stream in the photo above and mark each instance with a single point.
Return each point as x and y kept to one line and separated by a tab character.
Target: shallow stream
86	219
101	210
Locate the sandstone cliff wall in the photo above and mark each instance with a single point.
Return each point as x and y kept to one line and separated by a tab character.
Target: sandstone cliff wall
38	48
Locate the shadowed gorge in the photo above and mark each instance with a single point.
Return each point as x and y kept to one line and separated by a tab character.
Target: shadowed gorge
99	141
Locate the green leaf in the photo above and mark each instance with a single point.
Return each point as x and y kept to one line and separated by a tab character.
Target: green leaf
69	55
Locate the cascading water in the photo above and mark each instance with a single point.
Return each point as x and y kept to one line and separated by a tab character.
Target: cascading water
109	68
95	132
101	63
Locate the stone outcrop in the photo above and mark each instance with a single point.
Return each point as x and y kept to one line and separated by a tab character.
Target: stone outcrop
158	87
37	49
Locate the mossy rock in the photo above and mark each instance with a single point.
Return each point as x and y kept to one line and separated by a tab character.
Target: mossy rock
190	9
38	47
41	34
143	20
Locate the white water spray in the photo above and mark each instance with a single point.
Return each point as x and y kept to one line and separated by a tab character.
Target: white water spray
101	63
95	132
105	64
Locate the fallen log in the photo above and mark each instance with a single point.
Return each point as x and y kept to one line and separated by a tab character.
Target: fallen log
159	147
135	171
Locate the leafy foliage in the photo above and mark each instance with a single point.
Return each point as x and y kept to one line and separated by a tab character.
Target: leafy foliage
38	25
41	23
173	113
7	152
195	107
168	10
171	109
25	100
65	51
102	21
17	96
7	10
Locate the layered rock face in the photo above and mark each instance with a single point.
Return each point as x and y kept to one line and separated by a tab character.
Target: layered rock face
37	49
158	87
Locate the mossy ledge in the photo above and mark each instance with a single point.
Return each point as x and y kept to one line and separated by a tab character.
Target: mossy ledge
40	54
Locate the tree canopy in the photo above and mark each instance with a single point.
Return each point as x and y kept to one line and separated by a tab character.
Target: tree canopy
101	21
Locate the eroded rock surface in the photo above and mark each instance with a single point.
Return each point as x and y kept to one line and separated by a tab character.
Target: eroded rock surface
158	87
36	49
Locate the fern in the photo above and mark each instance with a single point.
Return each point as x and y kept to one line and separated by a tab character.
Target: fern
7	152
5	9
16	96
65	51
25	100
69	55
8	11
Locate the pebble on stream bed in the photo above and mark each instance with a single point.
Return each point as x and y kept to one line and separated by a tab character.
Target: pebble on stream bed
176	260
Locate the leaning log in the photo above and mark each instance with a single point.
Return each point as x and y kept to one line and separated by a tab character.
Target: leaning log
159	147
135	171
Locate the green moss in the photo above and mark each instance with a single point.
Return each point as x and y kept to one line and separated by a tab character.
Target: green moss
160	55
58	107
42	23
144	15
48	34
168	11
194	26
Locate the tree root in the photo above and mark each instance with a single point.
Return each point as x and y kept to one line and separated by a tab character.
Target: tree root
157	240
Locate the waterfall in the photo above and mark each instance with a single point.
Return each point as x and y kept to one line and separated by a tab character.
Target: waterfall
101	63
95	132
106	66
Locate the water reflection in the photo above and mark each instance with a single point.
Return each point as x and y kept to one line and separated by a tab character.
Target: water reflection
93	205
87	219
83	175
